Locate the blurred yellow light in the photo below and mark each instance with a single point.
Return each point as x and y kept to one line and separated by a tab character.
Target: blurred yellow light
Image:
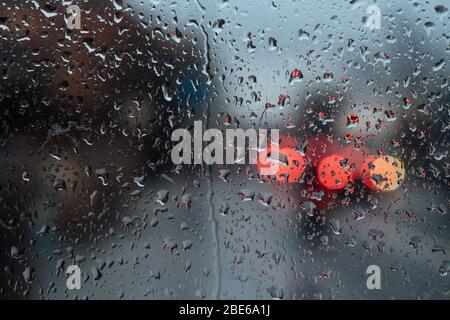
385	173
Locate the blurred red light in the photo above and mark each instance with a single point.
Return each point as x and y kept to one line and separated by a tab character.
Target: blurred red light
333	172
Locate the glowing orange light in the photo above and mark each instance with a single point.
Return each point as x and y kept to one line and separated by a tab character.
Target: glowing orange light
334	172
383	173
291	164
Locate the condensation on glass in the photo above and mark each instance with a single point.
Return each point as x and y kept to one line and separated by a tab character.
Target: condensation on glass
91	92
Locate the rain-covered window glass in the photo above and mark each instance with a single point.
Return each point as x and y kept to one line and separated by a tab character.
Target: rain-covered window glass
224	149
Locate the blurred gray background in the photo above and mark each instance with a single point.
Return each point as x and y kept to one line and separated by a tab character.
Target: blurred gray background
86	177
